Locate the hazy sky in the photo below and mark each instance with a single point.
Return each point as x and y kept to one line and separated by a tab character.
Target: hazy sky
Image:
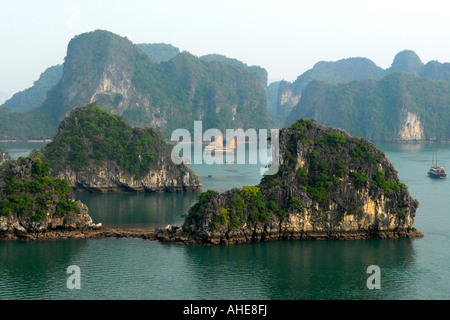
285	37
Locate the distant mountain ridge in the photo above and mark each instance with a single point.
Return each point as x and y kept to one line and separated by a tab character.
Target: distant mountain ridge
157	85
261	72
34	96
400	106
159	52
3	97
108	69
351	69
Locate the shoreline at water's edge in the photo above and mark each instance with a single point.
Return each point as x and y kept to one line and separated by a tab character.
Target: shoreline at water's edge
79	234
168	236
180	237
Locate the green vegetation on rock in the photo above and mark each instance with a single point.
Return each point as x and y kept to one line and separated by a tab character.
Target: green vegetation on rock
198	209
96	151
159	52
324	175
28	189
90	135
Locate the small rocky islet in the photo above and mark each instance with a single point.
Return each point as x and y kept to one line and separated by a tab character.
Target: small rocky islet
329	185
33	203
96	151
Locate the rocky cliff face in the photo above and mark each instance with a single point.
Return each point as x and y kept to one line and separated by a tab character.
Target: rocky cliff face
99	67
108	69
411	128
98	152
33	205
288	97
109	177
329	186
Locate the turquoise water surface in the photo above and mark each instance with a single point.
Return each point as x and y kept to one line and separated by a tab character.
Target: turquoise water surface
141	269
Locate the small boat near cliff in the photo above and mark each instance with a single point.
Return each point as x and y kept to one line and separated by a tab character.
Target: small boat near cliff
436	171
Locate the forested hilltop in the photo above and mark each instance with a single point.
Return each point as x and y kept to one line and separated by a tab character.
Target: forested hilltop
159	52
260	72
108	69
99	152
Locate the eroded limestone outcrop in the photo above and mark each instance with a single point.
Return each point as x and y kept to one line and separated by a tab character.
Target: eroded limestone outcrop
32	204
329	186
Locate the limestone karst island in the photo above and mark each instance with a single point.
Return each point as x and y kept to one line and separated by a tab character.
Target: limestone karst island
329	186
111	107
212	157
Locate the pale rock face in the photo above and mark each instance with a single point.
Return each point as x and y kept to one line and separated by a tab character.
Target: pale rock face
376	213
115	89
108	88
288	97
411	128
233	110
111	178
287	101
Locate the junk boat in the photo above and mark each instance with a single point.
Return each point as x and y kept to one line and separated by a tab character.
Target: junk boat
436	171
220	148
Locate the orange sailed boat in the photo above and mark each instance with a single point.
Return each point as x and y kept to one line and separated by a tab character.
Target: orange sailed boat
220	148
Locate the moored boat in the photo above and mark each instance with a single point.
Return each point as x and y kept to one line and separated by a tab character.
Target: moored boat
436	171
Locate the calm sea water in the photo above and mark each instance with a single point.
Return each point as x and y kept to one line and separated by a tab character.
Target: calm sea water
140	269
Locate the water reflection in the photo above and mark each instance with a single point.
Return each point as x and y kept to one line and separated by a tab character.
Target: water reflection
32	270
299	269
139	211
149	210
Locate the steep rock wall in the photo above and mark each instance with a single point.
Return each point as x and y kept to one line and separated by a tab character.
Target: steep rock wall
411	128
110	178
